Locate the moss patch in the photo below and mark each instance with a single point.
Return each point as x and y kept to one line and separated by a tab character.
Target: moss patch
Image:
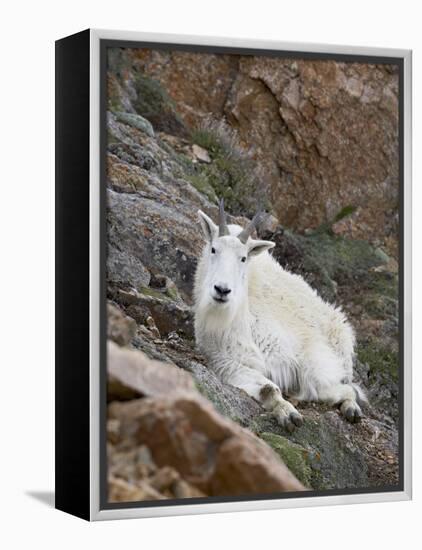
172	293
168	294
324	460
381	361
384	284
378	306
294	456
147	291
137	121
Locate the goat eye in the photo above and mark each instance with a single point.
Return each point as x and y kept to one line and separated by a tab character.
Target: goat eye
243	259
212	250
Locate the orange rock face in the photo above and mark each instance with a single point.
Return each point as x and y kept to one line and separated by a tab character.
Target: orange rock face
324	134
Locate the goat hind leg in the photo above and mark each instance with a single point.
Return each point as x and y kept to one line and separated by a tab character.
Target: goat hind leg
347	397
325	372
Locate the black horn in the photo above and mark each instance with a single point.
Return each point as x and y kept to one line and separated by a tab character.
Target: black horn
223	230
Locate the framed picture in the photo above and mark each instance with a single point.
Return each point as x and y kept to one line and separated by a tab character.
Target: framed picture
233	274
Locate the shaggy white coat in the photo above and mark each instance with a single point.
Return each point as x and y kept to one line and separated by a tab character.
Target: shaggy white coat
275	335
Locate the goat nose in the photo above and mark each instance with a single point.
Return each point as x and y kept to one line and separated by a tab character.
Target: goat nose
223	290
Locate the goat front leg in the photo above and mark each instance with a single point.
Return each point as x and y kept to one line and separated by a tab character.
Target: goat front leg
269	395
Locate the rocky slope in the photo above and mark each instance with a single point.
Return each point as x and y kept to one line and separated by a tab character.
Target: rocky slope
157	178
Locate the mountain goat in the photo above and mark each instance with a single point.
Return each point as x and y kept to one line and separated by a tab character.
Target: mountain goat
266	331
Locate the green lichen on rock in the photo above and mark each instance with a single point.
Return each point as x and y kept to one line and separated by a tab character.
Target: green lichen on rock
378	305
384	284
169	293
293	455
137	121
380	360
381	363
324	443
173	293
153	293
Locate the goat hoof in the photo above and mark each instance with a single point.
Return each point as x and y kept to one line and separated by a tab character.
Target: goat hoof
353	415
287	418
289	426
296	418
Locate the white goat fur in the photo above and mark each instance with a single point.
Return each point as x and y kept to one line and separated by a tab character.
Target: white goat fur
273	334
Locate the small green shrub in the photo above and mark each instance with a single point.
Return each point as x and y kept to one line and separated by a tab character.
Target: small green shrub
231	174
201	182
218	138
382	361
154	103
327	227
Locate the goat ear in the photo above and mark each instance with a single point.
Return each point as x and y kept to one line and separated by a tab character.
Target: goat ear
256	247
209	228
